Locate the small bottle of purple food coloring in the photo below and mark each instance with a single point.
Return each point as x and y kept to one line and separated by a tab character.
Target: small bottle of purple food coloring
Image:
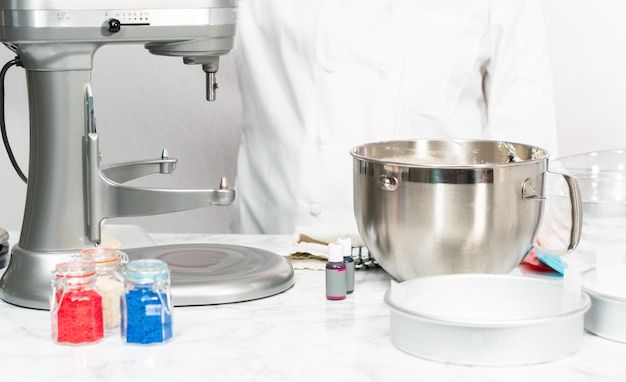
336	288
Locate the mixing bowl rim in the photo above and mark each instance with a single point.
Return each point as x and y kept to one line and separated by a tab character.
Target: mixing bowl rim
357	156
594	293
587	153
567	170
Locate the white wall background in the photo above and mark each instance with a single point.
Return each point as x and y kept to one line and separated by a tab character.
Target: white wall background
588	48
145	103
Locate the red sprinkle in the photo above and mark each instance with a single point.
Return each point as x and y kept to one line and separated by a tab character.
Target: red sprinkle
79	318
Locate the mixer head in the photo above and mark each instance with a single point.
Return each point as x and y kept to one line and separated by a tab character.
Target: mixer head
63	34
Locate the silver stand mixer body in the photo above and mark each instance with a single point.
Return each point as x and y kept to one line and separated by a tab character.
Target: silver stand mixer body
68	194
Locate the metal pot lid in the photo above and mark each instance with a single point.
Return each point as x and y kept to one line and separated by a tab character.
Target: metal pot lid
205	274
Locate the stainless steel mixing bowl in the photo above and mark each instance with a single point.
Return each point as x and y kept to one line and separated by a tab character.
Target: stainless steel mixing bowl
427	207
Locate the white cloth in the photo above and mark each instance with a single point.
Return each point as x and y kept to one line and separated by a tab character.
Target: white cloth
310	246
314	239
320	77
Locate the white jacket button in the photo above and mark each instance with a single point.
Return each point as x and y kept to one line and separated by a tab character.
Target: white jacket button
315	209
383	72
324	139
330	67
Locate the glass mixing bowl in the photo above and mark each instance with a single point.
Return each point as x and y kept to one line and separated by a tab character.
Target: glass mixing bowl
601	176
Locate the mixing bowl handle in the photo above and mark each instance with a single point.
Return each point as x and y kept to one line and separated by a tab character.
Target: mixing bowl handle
577	217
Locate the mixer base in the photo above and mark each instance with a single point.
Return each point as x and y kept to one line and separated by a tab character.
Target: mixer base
201	274
205	274
26	280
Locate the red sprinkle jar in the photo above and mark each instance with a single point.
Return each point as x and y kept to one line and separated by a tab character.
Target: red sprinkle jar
75	304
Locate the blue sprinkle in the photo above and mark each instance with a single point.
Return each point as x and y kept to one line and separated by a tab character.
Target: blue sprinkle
145	320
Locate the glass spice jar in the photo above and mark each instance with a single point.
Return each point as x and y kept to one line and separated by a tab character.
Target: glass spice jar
76	304
146	303
110	263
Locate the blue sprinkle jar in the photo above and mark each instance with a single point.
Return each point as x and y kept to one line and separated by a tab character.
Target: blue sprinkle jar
146	304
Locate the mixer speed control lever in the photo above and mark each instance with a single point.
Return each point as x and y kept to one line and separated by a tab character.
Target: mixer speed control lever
114	25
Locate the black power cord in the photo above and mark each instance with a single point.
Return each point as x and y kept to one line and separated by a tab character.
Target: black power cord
5	138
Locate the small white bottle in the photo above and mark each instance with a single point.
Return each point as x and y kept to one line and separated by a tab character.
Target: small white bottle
346	244
335	273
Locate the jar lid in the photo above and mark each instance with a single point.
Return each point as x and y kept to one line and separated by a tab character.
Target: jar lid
75	269
103	255
147	269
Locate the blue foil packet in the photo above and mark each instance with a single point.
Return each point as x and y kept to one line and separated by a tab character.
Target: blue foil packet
554	262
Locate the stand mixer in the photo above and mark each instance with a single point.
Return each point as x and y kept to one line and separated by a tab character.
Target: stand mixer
69	195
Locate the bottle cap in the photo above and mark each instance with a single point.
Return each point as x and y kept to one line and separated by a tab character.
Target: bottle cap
346	244
335	252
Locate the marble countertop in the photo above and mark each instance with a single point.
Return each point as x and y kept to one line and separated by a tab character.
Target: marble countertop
296	335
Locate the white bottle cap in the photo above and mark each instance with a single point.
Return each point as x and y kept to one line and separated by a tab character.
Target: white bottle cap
346	244
335	252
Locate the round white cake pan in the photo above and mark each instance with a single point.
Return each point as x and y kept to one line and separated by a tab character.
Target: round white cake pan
607	288
486	320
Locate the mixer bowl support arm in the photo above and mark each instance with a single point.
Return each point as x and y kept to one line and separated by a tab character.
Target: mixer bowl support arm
107	199
124	172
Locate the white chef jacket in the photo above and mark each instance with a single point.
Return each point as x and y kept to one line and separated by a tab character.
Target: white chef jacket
319	77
